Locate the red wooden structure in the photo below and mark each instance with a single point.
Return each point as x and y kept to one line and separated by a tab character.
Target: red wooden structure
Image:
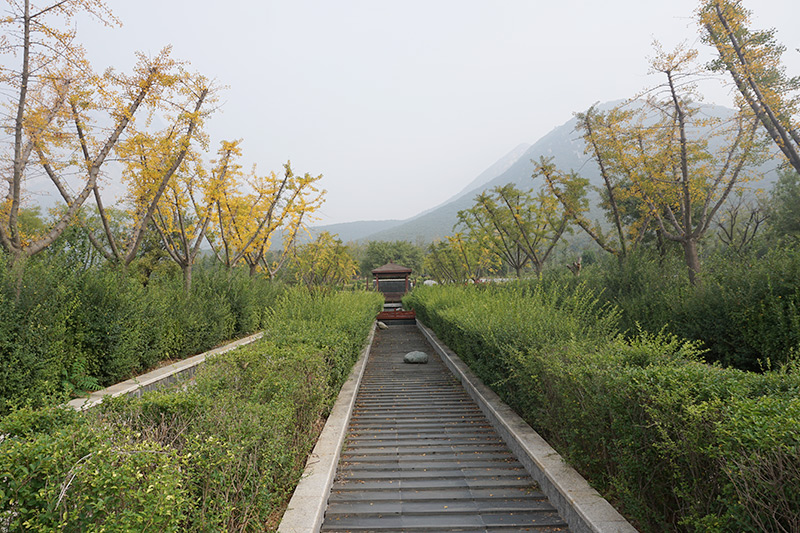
392	280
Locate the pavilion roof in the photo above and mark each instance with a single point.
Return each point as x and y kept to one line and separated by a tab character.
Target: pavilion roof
391	268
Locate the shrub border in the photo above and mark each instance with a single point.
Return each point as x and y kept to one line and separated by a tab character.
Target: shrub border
306	509
158	378
584	509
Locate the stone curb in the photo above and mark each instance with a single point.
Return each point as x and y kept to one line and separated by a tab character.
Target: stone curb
306	509
161	377
579	504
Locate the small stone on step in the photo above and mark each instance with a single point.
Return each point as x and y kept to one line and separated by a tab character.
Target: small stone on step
416	357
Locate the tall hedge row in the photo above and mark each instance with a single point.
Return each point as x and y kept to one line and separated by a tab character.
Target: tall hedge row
64	329
223	455
746	311
676	444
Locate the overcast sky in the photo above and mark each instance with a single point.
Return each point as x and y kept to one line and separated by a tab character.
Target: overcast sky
420	96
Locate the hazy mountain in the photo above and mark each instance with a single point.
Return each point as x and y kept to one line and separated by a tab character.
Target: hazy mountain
356	231
365	230
497	169
502	164
564	144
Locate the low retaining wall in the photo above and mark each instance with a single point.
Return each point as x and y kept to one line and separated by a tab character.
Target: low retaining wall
159	378
584	509
306	509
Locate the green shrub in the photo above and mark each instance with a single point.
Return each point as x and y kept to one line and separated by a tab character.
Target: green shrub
65	330
223	455
26	421
746	311
88	477
676	443
38	350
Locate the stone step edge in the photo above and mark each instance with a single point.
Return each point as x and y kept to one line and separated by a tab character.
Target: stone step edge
584	509
160	377
306	509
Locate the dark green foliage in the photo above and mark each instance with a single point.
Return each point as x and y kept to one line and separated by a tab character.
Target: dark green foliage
80	476
223	455
64	330
746	312
677	444
26	421
784	207
404	253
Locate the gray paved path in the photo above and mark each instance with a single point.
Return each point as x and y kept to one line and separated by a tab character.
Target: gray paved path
420	455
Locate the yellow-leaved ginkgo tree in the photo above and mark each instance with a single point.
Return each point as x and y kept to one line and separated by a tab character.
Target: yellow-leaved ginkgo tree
287	203
151	157
630	223
519	226
43	79
459	258
251	209
325	261
665	163
664	150
183	213
753	58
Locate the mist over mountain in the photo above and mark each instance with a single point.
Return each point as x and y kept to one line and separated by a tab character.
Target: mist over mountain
497	169
410	229
564	144
356	231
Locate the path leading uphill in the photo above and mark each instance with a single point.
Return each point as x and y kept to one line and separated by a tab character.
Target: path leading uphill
420	455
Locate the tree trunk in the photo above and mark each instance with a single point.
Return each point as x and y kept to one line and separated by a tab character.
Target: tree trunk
661	245
17	262
187	276
692	260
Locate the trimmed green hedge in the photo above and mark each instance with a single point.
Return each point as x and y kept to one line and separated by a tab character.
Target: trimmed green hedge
71	330
746	311
223	455
675	443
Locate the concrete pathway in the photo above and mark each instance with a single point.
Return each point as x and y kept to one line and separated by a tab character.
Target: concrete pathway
421	456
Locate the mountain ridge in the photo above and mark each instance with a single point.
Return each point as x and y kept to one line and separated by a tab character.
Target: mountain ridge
563	143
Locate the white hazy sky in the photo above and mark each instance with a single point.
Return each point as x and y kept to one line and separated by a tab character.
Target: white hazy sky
425	94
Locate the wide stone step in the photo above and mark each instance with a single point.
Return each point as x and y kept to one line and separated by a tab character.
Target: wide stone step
434	483
409	521
437	494
427	507
464	448
474	436
408	461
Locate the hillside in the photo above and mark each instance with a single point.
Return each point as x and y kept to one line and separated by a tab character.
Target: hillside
497	169
356	231
563	144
